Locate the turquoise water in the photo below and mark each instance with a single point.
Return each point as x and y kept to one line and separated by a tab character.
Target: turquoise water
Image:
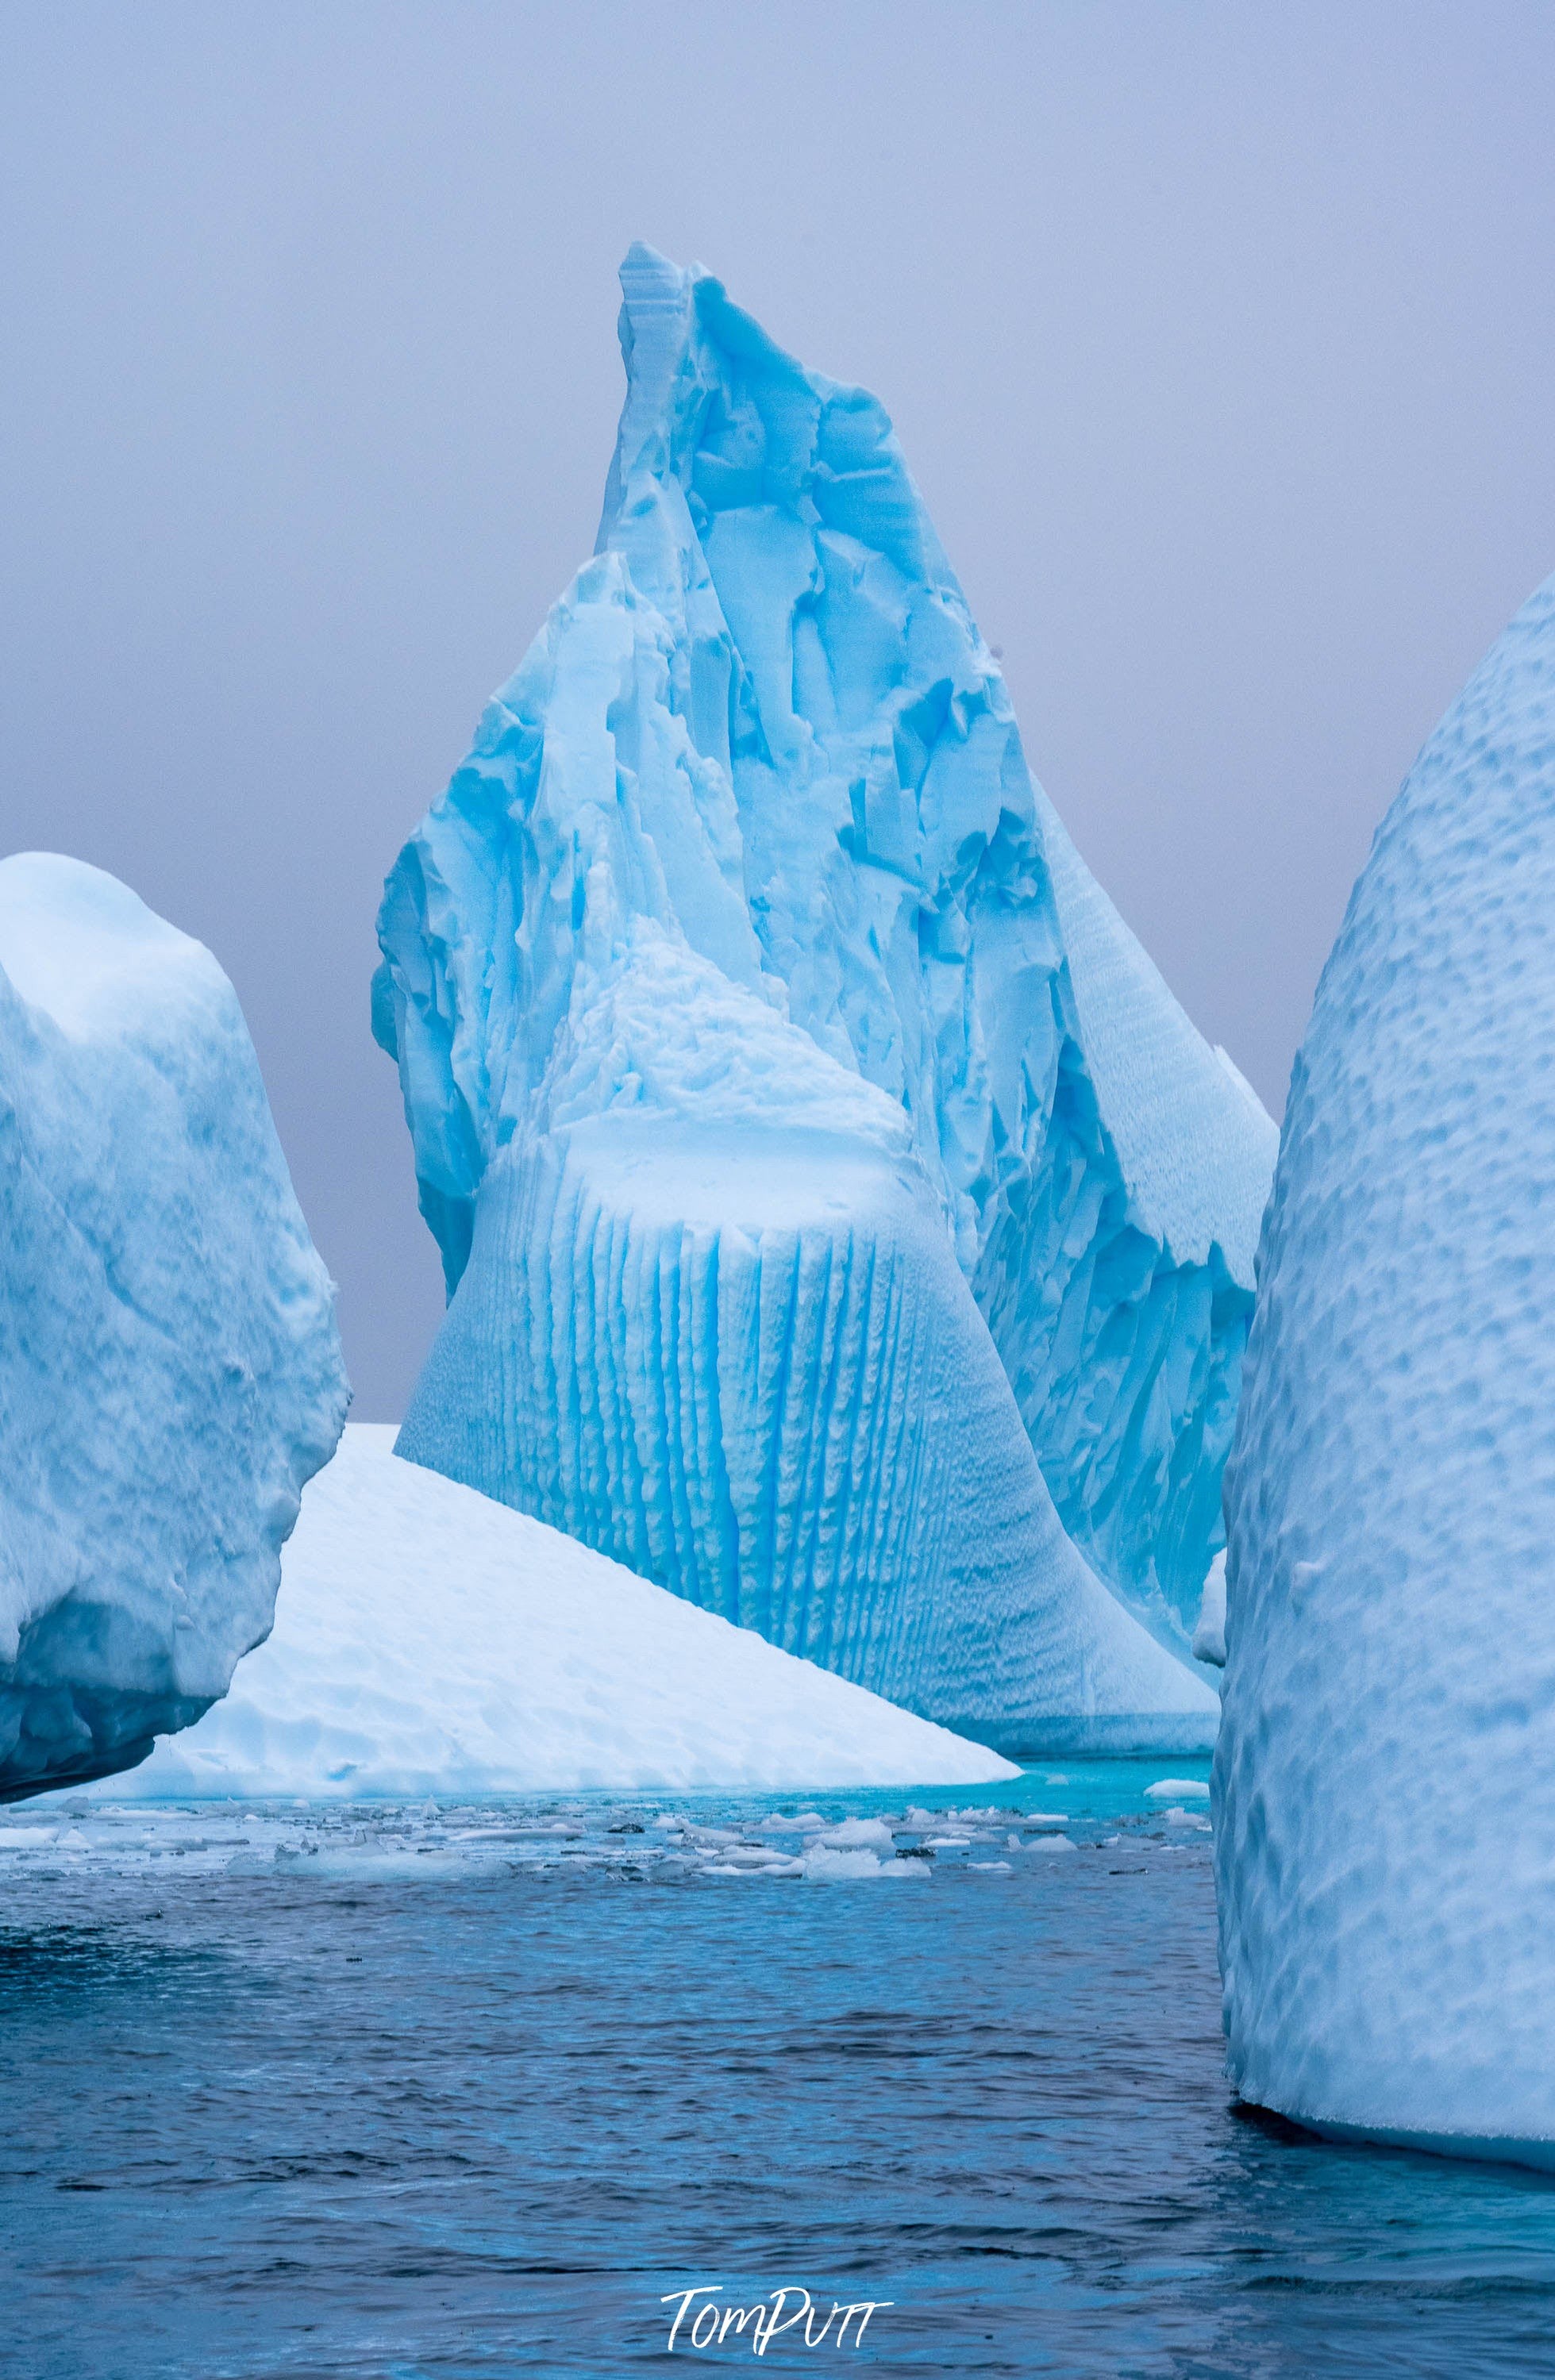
390	2092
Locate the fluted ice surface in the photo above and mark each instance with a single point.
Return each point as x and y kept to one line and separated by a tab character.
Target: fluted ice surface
1386	1769
842	1225
169	1370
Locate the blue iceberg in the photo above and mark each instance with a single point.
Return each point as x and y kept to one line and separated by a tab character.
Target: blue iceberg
1386	1769
841	1223
170	1374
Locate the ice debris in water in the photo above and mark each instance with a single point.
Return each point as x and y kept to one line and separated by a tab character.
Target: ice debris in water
859	1834
733	1842
1386	1772
842	1225
170	1374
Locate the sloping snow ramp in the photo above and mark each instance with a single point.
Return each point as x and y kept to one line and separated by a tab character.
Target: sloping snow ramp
1386	1769
431	1641
169	1370
746	884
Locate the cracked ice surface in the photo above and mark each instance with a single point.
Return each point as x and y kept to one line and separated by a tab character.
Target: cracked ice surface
842	1225
169	1370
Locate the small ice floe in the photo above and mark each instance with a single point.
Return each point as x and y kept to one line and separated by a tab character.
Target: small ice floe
824	1867
1048	1843
859	1834
1178	1789
948	1843
746	1859
1045	1818
1188	1818
989	1868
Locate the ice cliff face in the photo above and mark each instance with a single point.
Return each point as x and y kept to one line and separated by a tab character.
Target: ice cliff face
841	1222
169	1370
1386	1769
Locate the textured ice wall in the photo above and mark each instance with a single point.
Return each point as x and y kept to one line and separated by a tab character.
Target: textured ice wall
761	730
1386	1769
169	1370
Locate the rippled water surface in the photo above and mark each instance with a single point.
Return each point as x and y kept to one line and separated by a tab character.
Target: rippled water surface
467	2091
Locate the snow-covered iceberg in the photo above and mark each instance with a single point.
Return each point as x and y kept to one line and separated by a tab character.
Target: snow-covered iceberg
842	1225
429	1640
1386	1769
169	1370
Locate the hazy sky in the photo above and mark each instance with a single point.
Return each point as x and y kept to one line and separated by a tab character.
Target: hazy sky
1219	339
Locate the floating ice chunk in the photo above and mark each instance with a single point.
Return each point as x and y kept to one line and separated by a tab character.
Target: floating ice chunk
1040	1843
823	1866
1178	1789
169	1370
1385	1850
859	1834
841	1222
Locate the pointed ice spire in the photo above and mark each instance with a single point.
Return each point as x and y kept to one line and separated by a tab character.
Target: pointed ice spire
761	745
655	311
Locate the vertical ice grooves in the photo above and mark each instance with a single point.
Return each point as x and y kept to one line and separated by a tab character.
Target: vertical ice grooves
801	1425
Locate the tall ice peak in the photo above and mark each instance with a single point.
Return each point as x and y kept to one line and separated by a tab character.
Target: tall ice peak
748	845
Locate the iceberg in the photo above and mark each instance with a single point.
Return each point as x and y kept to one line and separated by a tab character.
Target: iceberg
1385	1776
429	1640
841	1223
169	1370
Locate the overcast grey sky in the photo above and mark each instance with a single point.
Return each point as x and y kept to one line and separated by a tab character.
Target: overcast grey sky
1219	339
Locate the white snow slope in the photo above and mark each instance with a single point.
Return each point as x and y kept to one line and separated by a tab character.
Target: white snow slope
429	1640
1386	1766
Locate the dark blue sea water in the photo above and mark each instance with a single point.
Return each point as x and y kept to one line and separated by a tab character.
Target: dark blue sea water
389	2093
